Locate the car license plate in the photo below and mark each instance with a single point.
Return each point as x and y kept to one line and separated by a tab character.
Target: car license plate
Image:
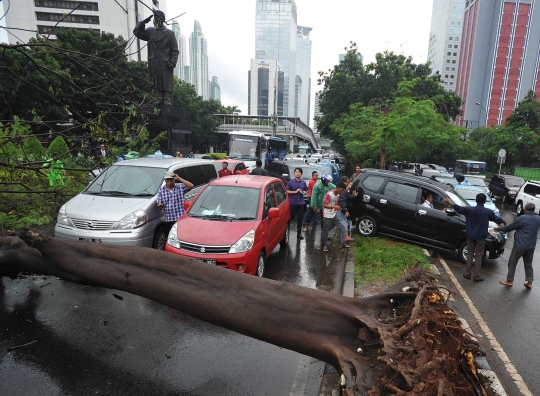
96	240
211	262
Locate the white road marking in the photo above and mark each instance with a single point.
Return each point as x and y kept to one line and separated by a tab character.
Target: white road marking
518	380
302	373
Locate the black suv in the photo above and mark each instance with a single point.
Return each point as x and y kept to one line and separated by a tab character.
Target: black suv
505	186
284	170
391	203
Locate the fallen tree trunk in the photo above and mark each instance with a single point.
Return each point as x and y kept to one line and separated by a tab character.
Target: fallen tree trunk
397	342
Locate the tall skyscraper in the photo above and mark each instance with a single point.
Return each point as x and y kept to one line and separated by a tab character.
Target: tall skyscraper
215	89
316	111
265	87
445	39
303	69
275	38
45	16
181	39
500	58
187	74
198	55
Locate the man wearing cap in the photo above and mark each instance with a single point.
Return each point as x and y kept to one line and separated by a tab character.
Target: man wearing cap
171	198
162	55
526	227
319	192
102	152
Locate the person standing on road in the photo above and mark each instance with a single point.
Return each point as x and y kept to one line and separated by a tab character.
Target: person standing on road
309	213
224	171
319	192
258	170
331	208
344	198
295	190
526	227
170	197
478	218
358	172
191	155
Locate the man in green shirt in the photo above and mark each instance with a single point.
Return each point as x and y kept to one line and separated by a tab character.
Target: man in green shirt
319	192
56	170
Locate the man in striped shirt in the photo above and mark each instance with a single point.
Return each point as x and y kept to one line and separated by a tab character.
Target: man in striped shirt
171	198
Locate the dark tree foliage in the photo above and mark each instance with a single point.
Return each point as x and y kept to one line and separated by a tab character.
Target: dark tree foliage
526	113
353	82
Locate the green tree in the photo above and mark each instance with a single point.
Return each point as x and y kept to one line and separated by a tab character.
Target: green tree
351	82
526	113
58	145
33	149
395	129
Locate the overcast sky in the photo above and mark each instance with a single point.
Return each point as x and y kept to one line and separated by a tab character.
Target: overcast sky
375	25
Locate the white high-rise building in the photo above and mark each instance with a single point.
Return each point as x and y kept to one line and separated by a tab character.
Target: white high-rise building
181	39
265	88
215	89
316	111
31	17
303	69
275	38
445	39
198	54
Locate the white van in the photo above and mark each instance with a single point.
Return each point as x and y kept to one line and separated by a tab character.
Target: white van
119	206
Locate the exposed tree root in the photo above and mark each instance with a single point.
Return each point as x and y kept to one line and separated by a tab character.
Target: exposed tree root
404	341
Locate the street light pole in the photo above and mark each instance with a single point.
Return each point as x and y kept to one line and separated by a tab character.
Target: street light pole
485	111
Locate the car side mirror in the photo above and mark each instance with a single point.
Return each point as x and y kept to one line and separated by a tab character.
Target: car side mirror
187	205
450	211
273	213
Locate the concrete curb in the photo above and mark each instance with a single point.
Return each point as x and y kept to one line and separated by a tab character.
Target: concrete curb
487	376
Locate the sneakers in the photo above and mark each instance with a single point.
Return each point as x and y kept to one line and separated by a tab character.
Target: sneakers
478	278
467	276
305	228
300	236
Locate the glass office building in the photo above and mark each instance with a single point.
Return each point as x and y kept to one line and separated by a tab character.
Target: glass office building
275	38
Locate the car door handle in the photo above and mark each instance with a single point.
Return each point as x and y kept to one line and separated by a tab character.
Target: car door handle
422	212
383	201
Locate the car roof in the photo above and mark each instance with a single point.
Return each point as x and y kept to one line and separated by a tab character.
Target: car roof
228	160
160	162
465	187
408	176
251	181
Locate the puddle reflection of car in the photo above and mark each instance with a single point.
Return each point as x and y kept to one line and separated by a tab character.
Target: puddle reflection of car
469	193
235	223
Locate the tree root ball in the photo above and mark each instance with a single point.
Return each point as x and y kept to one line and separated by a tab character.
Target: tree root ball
403	341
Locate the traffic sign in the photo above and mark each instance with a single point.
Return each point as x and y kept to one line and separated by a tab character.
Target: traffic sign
501	160
502	153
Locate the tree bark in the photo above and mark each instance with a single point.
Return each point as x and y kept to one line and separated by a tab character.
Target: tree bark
352	334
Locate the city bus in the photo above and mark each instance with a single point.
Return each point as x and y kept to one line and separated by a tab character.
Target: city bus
470	168
249	146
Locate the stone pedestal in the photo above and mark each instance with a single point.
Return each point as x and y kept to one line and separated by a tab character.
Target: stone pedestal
173	120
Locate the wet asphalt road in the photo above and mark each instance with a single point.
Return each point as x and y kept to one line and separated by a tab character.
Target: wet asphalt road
90	342
512	313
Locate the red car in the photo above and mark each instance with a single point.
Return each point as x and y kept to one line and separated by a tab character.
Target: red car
236	166
235	223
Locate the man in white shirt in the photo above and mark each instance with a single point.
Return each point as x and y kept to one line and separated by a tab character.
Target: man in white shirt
428	202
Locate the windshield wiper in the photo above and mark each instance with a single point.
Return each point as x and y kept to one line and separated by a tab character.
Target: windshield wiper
244	218
143	194
116	193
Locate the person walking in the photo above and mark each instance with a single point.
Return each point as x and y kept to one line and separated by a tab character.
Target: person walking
319	192
526	227
170	197
309	213
331	208
56	171
344	198
295	191
478	218
258	170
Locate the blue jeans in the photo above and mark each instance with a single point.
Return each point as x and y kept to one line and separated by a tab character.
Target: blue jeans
310	215
344	220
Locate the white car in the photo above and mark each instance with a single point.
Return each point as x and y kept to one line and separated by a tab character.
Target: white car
528	193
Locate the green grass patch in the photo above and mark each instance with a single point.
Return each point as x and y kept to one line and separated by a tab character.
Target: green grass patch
383	259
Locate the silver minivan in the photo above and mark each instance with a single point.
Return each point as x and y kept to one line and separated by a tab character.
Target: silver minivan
119	206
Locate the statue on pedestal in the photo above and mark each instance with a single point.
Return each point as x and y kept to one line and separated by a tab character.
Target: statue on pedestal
162	55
